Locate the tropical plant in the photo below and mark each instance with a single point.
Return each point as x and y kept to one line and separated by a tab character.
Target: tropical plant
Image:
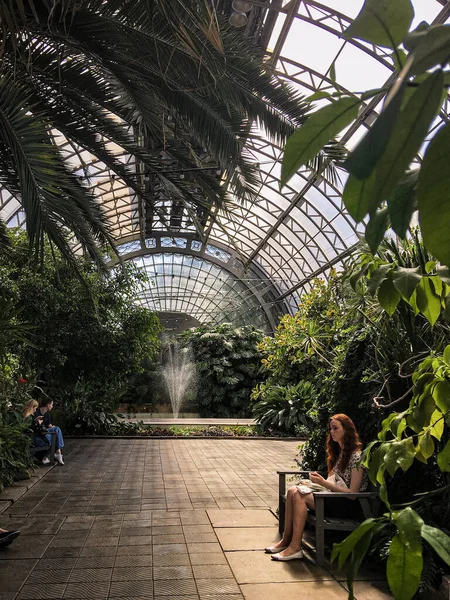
168	82
417	433
287	408
380	183
91	329
227	362
87	410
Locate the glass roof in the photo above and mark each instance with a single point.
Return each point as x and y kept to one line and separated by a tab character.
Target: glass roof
255	259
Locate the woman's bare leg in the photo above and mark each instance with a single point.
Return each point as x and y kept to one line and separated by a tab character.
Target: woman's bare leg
288	516
300	506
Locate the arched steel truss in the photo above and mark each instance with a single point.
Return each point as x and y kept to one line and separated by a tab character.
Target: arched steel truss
275	246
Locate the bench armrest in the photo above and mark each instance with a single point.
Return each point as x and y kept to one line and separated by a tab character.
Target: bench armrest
351	495
297	472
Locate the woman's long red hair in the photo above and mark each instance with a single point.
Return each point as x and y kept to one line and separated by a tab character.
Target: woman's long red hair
351	443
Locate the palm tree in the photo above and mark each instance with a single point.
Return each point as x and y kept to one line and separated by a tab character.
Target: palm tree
151	76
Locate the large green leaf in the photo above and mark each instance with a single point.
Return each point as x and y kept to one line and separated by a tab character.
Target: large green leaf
410	130
438	540
433	196
382	22
377	277
437	424
358	196
388	296
426	445
402	203
430	47
409	525
319	128
428	303
404	568
376	228
443	458
365	156
400	454
406	280
441	395
344	548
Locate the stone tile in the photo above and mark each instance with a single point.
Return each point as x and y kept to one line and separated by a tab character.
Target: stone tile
95	562
212	572
134	550
98	551
181	587
135	540
217	558
44	576
169	549
134	531
201	538
242	518
172	572
372	590
247	538
169	539
89	590
257	567
172	560
133	589
194	517
27	546
12	494
100	541
84	575
199	548
206	587
41	592
331	590
56	553
13	573
46	564
183	598
132	573
145	560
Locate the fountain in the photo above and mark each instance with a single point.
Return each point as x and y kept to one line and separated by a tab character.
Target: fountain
178	371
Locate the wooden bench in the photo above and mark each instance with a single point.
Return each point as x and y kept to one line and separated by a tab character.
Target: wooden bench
369	502
36	449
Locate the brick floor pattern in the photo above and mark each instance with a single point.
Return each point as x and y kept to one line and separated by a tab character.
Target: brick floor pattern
128	519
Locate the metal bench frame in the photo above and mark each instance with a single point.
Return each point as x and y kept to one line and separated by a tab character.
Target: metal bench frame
369	502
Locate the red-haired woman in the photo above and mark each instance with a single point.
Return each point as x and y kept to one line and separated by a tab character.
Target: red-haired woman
343	453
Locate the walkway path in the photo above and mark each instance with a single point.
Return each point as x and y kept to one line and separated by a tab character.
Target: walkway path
159	519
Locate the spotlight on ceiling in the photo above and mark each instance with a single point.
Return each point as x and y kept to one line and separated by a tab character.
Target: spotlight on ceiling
240	6
238	19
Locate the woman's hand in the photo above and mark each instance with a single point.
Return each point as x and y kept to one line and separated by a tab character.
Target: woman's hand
316	478
39	420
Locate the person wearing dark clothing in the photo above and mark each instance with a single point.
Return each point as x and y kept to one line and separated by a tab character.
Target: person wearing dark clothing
43	437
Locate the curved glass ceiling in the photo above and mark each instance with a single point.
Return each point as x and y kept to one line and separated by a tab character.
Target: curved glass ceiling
261	255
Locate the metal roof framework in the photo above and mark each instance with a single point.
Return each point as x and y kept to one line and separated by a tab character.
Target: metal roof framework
255	259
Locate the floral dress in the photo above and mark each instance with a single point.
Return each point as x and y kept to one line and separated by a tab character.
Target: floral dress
346	474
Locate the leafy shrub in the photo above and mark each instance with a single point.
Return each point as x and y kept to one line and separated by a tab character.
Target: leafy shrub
228	365
286	408
86	410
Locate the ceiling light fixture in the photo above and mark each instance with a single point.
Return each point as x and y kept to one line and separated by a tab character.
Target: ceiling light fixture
238	19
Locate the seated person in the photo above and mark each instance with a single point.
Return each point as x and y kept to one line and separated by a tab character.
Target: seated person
46	405
6	537
343	453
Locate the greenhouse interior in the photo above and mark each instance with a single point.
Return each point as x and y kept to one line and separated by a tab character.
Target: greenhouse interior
224	261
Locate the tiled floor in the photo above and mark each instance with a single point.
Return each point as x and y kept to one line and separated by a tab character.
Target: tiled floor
158	519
